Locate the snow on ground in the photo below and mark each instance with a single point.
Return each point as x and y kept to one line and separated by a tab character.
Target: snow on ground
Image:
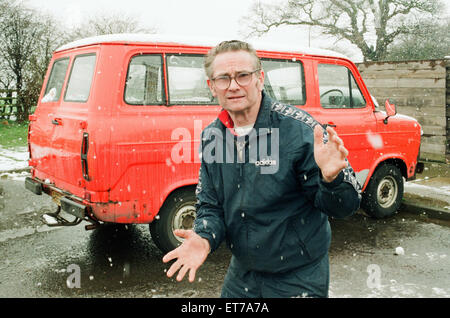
445	190
13	159
12	163
433	188
17	176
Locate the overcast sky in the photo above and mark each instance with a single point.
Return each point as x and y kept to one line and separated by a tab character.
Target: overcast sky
203	17
218	18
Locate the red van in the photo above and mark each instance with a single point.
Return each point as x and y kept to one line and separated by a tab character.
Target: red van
115	135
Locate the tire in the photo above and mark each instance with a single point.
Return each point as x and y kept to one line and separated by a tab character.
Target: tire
177	212
384	193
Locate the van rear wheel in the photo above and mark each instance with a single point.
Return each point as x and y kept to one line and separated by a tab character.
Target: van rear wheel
384	193
177	212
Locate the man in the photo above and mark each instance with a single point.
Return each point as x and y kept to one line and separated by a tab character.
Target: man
275	222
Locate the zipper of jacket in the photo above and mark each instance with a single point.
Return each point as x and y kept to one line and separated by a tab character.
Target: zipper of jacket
240	146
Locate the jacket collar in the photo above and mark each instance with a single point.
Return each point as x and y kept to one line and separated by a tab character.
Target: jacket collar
262	120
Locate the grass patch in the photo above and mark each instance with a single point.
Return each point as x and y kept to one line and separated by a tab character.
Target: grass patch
13	134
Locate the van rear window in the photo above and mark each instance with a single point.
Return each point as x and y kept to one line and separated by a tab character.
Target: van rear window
144	84
56	81
80	80
284	81
187	80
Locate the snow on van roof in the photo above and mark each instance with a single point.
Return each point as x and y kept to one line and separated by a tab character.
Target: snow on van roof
196	41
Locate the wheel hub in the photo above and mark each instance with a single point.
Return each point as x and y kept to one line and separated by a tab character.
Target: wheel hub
184	219
387	192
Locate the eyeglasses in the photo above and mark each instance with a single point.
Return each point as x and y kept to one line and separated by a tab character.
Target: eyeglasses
242	78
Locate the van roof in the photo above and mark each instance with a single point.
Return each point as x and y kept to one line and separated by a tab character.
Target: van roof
194	41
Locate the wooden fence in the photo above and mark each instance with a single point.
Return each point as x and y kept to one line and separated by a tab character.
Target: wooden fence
421	90
7	103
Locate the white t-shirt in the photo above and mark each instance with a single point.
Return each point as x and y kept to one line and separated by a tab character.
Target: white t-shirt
244	130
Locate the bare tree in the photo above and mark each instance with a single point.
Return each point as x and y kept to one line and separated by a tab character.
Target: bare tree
26	44
17	43
5	6
6	78
371	25
50	38
28	39
427	40
107	24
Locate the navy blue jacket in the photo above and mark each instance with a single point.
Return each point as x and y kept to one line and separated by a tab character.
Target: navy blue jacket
264	194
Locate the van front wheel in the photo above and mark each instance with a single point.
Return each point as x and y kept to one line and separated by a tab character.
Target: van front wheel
177	212
384	193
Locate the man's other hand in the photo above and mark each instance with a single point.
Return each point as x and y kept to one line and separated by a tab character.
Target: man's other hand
330	157
190	254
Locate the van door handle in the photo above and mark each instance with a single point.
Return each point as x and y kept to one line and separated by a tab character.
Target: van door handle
84	157
57	121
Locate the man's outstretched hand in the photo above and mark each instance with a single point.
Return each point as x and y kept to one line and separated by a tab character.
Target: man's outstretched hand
190	255
330	157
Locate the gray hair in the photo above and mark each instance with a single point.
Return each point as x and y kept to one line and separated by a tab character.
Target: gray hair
229	46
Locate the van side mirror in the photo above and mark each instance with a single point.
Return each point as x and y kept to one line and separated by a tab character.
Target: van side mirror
391	110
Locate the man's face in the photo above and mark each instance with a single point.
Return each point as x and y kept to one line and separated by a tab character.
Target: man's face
237	98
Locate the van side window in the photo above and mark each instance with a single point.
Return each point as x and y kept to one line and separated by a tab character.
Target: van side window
187	80
144	84
56	81
284	81
338	88
80	80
